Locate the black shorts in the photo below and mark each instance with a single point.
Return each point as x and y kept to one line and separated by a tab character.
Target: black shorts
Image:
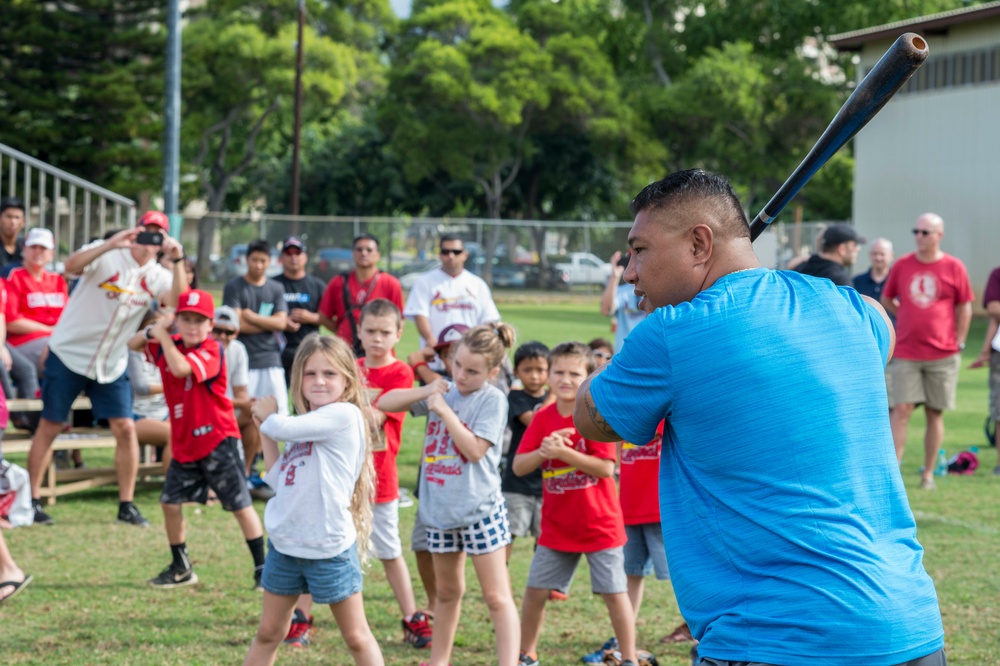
222	470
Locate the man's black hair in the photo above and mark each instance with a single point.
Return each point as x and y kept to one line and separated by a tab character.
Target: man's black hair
684	186
259	245
11	202
364	236
530	350
446	238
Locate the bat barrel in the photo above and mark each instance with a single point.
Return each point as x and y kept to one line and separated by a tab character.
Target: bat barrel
889	74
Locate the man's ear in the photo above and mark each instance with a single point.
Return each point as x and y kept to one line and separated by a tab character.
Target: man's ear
702	240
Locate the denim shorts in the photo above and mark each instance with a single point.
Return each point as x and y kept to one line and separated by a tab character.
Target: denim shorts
61	386
644	552
329	581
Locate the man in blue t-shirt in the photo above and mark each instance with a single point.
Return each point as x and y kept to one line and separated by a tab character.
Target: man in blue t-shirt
786	525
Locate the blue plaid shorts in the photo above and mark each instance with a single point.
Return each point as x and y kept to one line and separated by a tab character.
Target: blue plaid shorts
489	534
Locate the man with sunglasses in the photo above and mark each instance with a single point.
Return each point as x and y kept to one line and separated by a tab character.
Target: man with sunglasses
347	293
448	295
303	293
930	294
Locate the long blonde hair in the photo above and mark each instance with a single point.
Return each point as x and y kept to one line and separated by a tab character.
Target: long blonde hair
342	358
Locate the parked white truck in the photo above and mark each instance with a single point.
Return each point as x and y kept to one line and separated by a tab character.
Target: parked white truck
584	268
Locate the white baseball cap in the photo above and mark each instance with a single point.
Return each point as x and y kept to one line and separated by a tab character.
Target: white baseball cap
39	236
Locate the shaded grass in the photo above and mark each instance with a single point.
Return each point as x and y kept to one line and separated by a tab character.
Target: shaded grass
90	604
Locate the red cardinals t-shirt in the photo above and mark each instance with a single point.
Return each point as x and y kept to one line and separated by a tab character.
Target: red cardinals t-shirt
381	285
40	300
201	415
639	481
393	376
580	513
927	294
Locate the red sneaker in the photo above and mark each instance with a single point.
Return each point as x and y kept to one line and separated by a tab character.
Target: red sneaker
298	633
417	630
556	595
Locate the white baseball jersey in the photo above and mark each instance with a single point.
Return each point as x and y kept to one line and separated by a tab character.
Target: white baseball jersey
104	311
444	300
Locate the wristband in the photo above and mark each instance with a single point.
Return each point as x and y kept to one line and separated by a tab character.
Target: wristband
146	333
417	365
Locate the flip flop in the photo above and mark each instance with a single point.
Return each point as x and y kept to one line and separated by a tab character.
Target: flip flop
681	634
17	587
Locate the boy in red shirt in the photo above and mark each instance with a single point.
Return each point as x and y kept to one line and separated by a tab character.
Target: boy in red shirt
204	436
580	510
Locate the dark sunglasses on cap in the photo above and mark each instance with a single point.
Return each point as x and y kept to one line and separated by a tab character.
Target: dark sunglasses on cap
223	331
605	355
454	252
922	232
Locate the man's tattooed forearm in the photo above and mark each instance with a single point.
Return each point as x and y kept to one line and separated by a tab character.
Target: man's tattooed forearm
598	421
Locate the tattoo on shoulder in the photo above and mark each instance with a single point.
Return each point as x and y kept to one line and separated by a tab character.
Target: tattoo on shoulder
599	421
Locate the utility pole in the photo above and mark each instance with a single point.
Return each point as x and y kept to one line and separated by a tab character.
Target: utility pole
172	120
298	121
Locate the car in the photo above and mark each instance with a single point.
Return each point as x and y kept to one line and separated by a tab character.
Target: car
332	261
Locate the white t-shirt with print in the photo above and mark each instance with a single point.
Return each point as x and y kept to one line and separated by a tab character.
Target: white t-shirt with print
445	300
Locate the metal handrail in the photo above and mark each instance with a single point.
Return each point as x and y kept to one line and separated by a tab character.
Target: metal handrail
64	176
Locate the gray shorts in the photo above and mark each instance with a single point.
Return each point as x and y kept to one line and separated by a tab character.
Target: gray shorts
934	659
554	570
995	385
928	383
524	513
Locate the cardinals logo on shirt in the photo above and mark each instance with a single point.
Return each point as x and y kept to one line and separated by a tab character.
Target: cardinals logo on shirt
145	287
445	304
113	289
924	289
635	452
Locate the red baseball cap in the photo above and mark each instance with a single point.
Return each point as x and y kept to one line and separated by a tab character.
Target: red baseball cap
154	218
450	335
197	301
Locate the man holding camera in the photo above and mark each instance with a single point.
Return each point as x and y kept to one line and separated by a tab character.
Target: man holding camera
119	279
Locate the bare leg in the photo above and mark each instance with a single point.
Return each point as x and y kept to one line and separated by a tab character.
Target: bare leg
532	615
425	567
173	521
933	437
620	610
8	568
899	418
494	578
636	585
274	621
126	456
249	522
510	548
251	441
398	576
40	454
350	617
449	572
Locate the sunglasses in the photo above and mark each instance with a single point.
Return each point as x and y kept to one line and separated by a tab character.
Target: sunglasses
922	232
605	355
452	252
223	331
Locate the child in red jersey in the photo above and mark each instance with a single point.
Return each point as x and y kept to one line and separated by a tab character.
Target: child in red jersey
204	437
580	510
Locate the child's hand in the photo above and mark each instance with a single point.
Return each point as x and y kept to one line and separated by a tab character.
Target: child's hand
161	327
264	407
438	387
551	446
436	404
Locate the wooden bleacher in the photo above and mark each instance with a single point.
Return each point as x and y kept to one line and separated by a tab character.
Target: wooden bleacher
58	482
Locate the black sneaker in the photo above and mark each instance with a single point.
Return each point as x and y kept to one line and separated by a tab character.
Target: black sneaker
41	518
257	573
173	576
131	516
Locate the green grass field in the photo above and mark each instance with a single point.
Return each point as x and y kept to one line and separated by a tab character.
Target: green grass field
90	604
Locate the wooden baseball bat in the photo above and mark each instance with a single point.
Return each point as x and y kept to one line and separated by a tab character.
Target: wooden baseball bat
889	74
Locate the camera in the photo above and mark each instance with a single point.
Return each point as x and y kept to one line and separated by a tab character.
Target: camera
149	238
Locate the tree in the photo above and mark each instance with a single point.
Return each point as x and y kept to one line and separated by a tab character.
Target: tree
237	91
83	88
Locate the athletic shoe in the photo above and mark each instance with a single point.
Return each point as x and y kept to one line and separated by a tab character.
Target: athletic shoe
298	633
173	576
258	489
928	484
527	660
417	631
130	515
556	595
258	571
597	656
41	518
405	498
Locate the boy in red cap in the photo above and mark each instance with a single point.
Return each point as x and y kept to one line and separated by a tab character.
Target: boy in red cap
203	432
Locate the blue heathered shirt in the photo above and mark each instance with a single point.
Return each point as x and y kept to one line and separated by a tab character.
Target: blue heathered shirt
787	528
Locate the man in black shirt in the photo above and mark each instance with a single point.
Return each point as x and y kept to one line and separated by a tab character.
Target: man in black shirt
303	293
11	223
839	248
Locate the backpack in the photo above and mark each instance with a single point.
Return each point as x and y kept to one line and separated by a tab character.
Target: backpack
965	462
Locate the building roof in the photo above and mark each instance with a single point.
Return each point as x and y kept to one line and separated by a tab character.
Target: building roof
925	25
